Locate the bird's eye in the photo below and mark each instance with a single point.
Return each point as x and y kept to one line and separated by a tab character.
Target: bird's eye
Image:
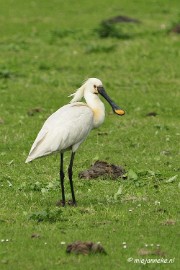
95	86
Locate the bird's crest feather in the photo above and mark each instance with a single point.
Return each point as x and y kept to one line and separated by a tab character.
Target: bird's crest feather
78	95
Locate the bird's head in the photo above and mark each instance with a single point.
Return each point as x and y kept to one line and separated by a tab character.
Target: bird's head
92	85
95	86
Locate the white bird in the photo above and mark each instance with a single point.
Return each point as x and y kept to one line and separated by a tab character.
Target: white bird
69	126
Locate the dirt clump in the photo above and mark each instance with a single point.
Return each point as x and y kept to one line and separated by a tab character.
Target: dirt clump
34	111
122	19
102	168
176	29
35	235
145	252
151	114
169	222
85	248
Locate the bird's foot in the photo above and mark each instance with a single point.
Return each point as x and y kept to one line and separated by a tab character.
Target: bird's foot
72	203
62	203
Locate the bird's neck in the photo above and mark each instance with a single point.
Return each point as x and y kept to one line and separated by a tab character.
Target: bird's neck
94	102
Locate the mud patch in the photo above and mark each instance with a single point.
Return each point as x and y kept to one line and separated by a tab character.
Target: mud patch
35	235
122	19
102	168
85	248
145	252
109	27
152	114
34	111
176	29
169	222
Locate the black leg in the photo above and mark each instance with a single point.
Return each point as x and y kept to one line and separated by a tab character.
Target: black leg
62	180
70	178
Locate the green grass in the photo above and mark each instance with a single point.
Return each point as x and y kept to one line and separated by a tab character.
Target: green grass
47	48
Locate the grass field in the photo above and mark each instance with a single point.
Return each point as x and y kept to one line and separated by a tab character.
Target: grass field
47	48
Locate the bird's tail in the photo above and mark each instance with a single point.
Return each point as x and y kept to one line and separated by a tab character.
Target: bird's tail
29	159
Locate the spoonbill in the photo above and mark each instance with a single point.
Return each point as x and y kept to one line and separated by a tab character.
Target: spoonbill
69	126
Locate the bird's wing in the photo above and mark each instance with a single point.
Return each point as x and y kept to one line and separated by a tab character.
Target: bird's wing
65	128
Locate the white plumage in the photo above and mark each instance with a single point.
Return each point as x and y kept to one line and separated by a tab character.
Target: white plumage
69	126
63	130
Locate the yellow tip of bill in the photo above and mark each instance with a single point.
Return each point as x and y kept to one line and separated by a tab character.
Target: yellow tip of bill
120	112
